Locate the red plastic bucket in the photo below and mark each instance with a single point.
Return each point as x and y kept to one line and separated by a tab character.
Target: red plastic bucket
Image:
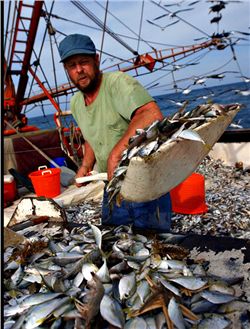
46	182
189	196
10	190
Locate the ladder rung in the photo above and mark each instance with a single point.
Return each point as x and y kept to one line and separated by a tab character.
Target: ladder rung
21	41
26	5
16	72
19	52
16	61
27	18
22	30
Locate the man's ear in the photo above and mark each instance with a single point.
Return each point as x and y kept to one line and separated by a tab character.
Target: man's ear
97	59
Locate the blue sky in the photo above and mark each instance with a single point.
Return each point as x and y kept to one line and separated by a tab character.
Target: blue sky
235	17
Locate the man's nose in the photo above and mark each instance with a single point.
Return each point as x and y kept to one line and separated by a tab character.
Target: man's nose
79	68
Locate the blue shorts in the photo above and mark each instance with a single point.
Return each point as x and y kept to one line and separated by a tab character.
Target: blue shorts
154	214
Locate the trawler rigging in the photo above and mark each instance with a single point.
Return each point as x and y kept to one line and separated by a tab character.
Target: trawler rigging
21	44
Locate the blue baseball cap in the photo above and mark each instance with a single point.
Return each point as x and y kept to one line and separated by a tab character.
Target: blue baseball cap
75	44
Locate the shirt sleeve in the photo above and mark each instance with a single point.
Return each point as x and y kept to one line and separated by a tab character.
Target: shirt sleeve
129	95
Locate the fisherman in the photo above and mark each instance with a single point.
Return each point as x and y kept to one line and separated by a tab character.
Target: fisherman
108	108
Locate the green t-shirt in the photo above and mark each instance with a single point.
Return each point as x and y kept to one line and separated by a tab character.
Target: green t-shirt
105	121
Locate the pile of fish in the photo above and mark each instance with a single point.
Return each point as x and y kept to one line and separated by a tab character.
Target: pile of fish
227	197
93	278
86	212
147	141
228	201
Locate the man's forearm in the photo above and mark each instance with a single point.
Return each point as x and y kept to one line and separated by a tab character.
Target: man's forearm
89	157
142	118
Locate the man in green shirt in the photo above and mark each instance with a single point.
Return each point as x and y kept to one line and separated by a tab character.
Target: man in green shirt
108	108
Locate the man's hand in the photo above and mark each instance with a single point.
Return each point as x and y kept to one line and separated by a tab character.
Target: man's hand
82	171
87	164
113	160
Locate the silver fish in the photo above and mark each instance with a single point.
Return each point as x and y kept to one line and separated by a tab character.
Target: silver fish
134	151
32	278
127	286
160	320
38	314
148	148
38	299
119	267
19	322
9	324
165	264
203	306
136	323
97	235
64	258
12	266
217	297
221	287
78	279
175	314
143	290
87	269
190	283
14	309
56	324
169	286
112	312
133	265
151	324
190	135
17	276
103	272
62	310
214	321
120	171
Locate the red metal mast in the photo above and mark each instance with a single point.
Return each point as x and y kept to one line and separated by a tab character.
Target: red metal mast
145	60
24	36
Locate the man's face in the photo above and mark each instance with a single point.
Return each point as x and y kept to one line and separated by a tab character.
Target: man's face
83	71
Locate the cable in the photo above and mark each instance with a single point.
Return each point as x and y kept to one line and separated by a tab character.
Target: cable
235	59
126	36
142	11
99	23
12	34
7	26
37	59
121	35
183	20
104	25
